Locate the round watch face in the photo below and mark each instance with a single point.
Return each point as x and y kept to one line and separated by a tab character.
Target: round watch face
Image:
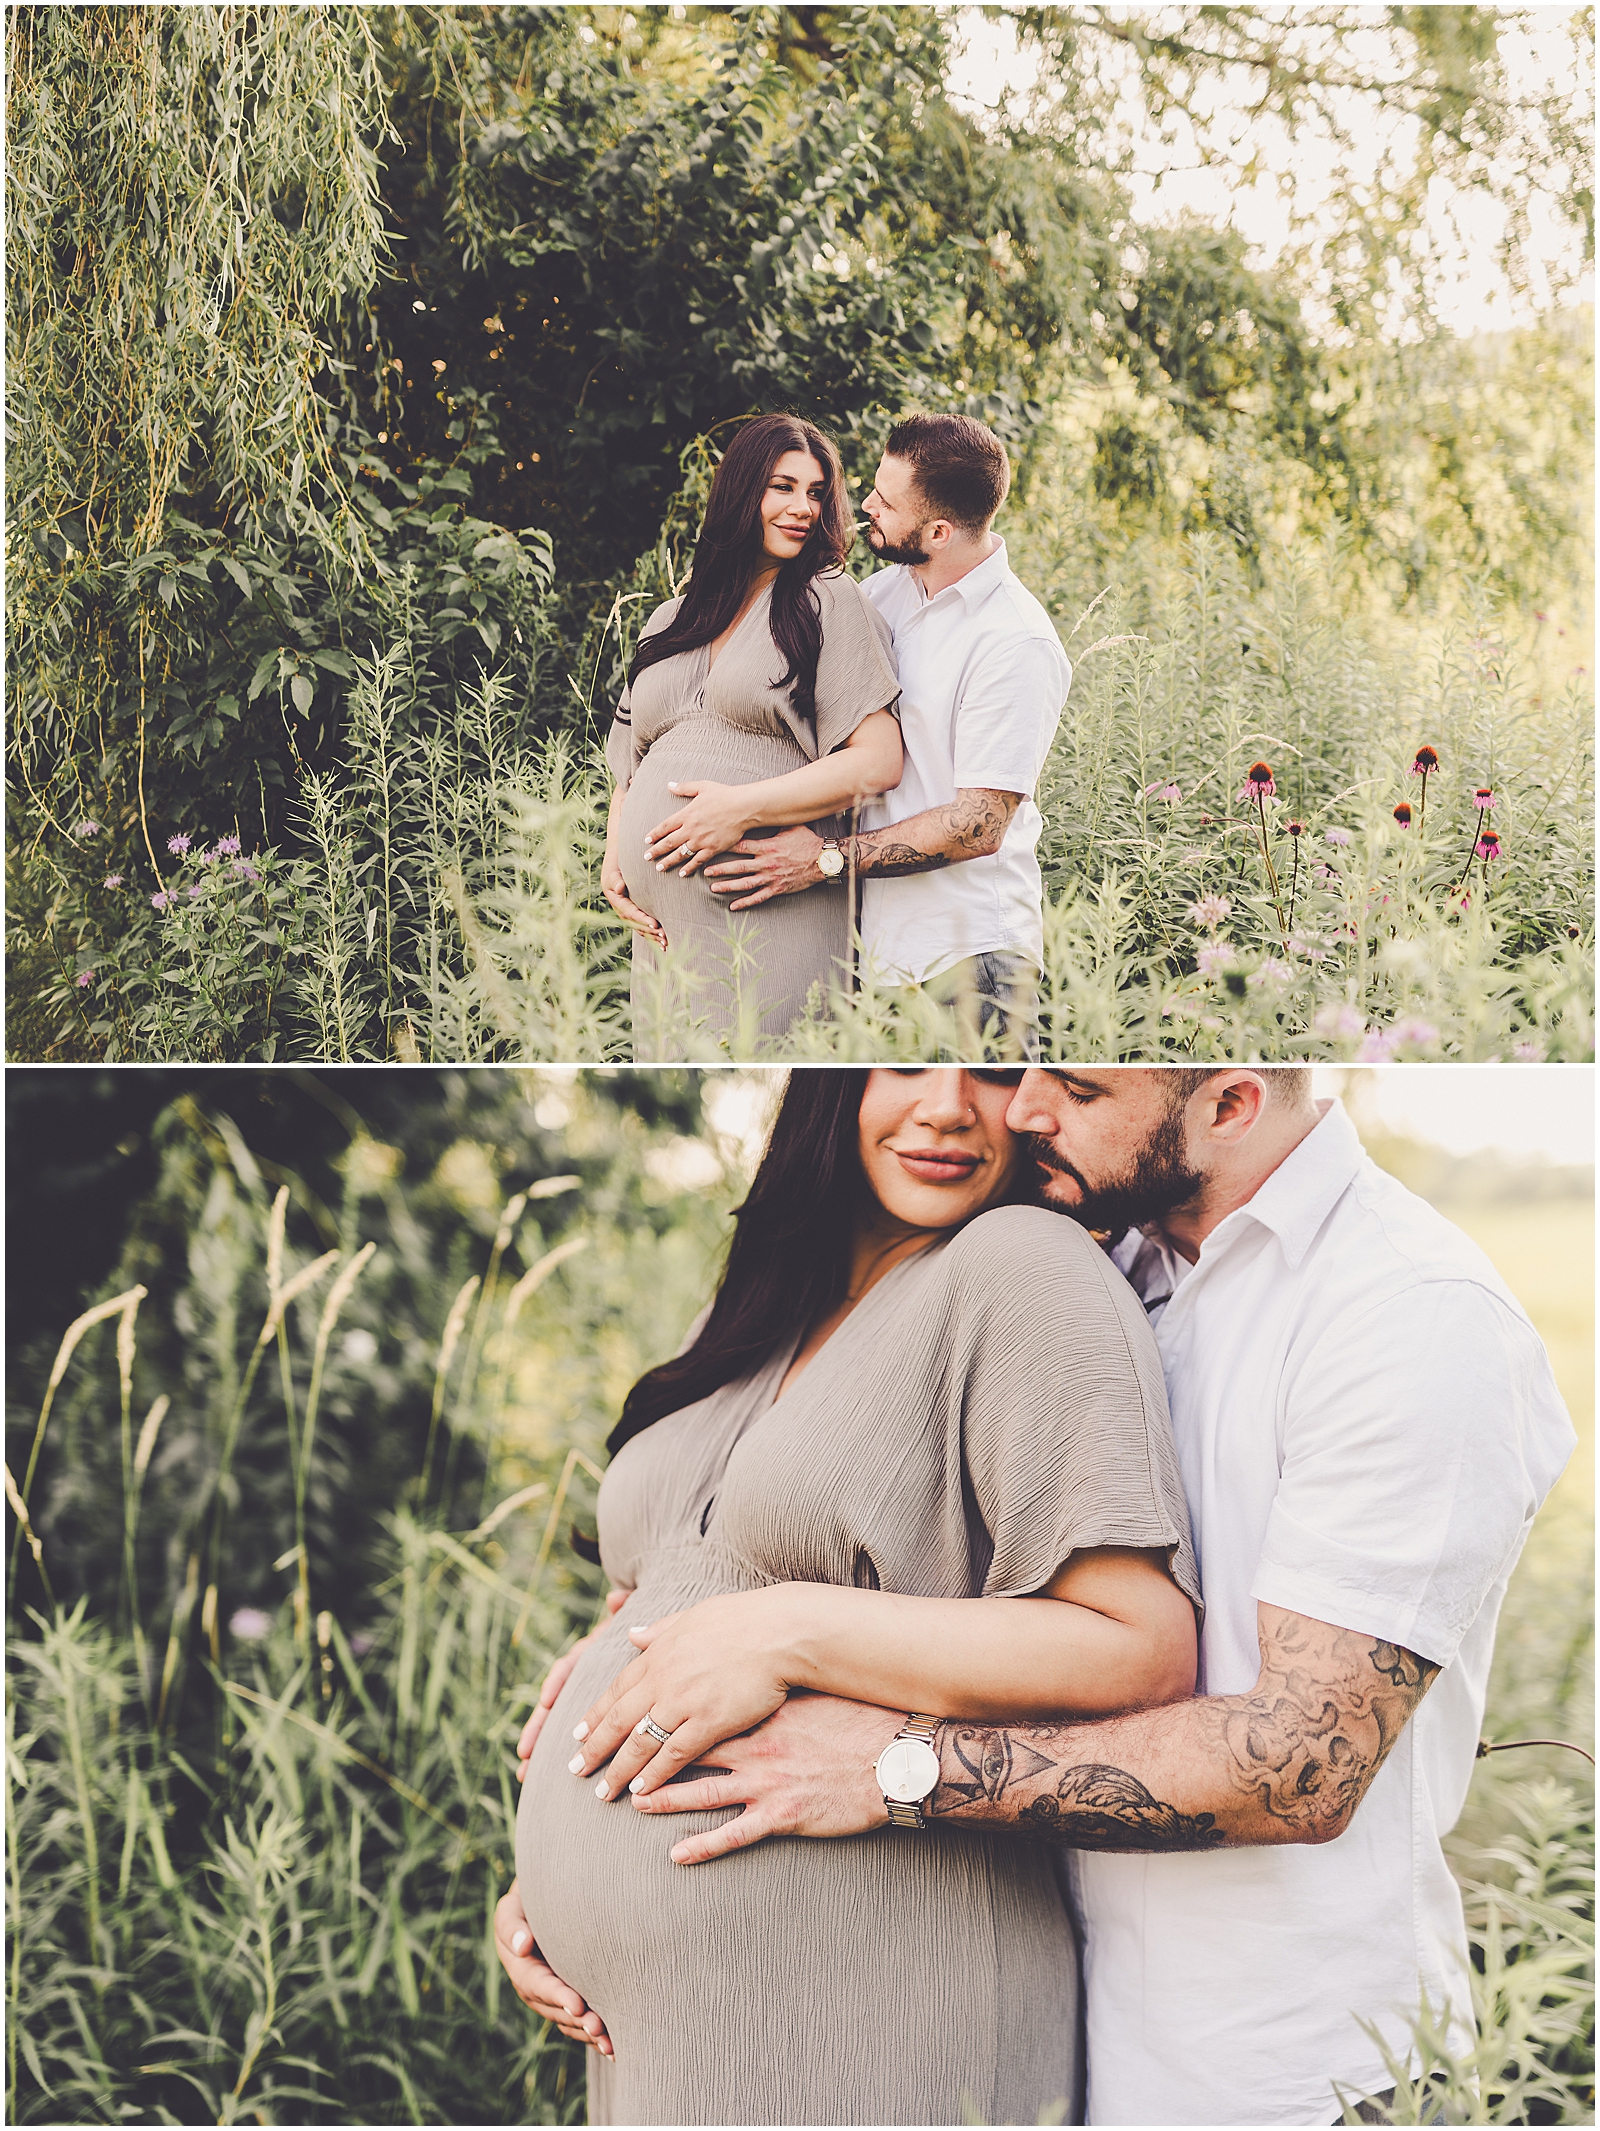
830	860
908	1770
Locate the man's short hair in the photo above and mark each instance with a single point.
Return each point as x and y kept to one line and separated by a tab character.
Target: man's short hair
1289	1086
961	467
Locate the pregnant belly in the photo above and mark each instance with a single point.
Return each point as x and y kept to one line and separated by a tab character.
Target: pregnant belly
695	753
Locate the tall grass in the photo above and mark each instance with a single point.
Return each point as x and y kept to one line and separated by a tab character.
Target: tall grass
260	1790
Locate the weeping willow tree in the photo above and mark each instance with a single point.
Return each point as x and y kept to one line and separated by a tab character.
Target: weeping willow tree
191	196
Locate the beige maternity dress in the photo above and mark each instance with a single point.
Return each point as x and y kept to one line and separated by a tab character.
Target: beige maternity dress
990	1406
736	979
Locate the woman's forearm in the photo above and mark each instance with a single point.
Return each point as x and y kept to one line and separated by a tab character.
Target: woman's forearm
990	1658
869	764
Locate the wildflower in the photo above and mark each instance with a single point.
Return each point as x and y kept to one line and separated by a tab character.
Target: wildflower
1215	955
85	979
1337	837
1464	901
1339	1021
207	858
1426	763
360	1645
1402	814
1375	1049
1294	828
1258	784
1272	971
1528	1053
1414	1031
159	902
227	847
178	845
1484	799
1323	873
194	890
113	880
243	867
1210	911
250	1624
1162	790
1487	846
1574	932
86	828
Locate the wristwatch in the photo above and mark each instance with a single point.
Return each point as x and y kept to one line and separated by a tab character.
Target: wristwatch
830	860
908	1771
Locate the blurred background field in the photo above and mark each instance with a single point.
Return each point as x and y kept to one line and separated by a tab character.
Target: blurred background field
301	1564
367	368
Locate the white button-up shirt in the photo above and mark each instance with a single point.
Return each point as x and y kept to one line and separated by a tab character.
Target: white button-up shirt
1366	1424
982	678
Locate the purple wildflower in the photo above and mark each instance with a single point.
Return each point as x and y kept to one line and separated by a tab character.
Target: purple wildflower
227	847
178	845
113	880
1210	911
86	828
160	902
1336	836
85	979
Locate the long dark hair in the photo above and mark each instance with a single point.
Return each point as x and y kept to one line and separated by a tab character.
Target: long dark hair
793	1242
789	1261
729	552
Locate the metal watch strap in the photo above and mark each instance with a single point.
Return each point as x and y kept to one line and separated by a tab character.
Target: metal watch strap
902	1815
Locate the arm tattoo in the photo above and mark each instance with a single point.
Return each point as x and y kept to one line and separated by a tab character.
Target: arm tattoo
1288	1762
972	825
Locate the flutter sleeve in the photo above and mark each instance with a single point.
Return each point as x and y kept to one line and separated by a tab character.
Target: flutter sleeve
624	748
1066	1440
856	672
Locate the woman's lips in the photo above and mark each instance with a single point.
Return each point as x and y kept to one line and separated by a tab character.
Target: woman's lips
936	1165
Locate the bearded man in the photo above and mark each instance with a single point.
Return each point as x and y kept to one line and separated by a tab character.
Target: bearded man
1366	1425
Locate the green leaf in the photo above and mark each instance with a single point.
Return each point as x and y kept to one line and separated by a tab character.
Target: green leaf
239	574
302	688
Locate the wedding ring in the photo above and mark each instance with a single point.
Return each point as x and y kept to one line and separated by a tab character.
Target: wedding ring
648	1724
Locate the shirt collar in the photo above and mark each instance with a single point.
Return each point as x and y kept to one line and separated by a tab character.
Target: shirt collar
978	583
1303	1190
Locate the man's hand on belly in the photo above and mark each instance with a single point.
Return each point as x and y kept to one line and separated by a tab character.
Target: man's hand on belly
765	866
808	1770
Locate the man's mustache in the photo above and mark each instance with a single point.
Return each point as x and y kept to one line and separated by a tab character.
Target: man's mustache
1047	1158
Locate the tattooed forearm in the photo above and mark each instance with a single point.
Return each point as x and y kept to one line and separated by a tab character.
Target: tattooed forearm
972	825
1288	1762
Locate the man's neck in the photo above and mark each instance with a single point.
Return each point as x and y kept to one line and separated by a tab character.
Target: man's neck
1236	1183
951	564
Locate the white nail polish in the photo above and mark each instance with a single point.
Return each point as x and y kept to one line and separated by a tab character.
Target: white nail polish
575	1764
600	1790
580	1731
637	1784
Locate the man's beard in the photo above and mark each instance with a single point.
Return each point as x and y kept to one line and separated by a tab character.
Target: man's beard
908	551
1156	1183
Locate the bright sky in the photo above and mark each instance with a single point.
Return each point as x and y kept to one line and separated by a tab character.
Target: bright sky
1475	299
1540	1113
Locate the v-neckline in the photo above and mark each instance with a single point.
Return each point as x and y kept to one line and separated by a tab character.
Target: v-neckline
712	653
917	1257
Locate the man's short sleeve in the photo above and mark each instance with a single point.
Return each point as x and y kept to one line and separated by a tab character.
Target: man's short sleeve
1418	1443
1010	704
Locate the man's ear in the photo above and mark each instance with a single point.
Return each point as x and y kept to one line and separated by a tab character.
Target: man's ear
1233	1104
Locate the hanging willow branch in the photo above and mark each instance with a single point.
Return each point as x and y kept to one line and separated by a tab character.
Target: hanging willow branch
192	193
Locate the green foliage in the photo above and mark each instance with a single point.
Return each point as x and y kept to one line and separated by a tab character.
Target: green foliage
260	1794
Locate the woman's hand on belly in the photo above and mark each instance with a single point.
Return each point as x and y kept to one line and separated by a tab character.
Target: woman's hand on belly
707	1675
715	818
537	1984
614	887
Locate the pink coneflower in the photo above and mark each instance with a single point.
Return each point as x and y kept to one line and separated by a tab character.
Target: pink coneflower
1161	789
178	845
1484	799
1427	761
1294	830
1210	911
1574	932
1402	814
1337	837
1256	790
1487	846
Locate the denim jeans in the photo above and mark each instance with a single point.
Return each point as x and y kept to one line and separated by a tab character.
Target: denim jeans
996	999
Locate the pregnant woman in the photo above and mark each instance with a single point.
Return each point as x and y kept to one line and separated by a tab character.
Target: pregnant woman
763	697
907	1384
